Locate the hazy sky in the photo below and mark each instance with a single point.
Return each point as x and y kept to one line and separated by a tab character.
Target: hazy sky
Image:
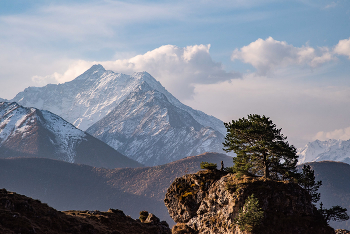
289	60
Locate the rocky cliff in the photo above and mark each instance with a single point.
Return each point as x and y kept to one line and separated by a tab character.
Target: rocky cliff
21	214
209	202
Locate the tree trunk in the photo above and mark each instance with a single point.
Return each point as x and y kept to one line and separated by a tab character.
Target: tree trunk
266	169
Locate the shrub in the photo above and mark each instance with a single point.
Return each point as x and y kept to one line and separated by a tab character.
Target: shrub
250	215
143	215
208	166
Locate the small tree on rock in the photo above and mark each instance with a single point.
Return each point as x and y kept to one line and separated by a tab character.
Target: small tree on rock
208	166
307	182
261	148
336	213
250	215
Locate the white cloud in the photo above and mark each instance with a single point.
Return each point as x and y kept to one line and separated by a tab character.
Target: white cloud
268	55
338	134
301	109
75	69
343	47
178	69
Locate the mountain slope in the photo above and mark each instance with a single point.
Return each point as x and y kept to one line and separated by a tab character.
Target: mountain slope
92	95
110	105
29	132
335	189
67	186
148	128
333	150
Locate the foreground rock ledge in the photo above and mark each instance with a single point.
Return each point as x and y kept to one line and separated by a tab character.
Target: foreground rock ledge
21	214
208	202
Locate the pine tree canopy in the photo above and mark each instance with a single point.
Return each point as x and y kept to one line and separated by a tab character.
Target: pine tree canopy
261	148
307	181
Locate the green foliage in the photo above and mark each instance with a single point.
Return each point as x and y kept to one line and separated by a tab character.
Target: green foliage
208	166
143	215
307	182
336	213
261	148
250	215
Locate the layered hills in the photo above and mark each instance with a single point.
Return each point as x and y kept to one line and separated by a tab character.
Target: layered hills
30	132
134	114
67	186
335	189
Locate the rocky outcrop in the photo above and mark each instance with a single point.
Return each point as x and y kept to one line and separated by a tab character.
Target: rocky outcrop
20	214
342	231
209	202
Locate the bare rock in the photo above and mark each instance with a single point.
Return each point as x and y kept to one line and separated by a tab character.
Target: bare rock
209	202
342	231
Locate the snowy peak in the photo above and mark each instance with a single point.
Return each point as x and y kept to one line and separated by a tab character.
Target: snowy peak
30	132
22	126
334	150
94	72
148	128
92	95
134	114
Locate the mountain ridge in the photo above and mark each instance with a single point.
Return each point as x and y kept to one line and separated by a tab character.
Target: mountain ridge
146	127
97	94
98	79
30	132
332	149
67	186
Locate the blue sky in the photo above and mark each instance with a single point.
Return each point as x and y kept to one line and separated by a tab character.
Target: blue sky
289	60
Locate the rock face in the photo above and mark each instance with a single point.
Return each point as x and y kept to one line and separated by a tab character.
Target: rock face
20	214
209	202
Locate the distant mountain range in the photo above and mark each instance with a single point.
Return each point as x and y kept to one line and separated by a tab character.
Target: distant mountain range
333	150
134	114
67	186
30	132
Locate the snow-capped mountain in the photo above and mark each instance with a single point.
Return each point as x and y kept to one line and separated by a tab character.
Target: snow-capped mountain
30	132
148	128
98	95
333	150
92	95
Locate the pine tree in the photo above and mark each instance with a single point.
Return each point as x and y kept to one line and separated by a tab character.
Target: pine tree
250	215
336	213
307	182
261	148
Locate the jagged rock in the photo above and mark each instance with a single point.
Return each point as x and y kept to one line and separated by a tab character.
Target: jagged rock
20	214
209	202
342	231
